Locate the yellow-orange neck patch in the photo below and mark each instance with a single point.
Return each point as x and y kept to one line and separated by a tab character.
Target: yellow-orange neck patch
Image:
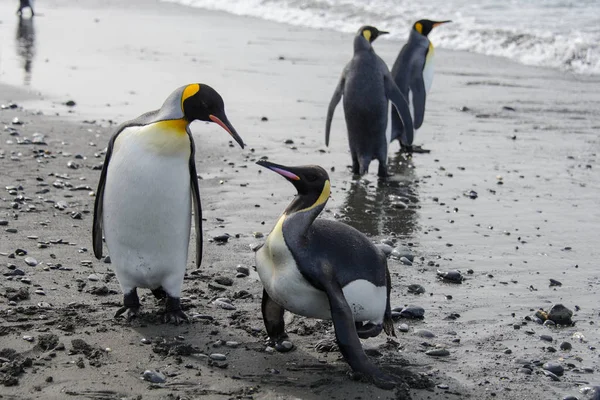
189	91
175	125
367	34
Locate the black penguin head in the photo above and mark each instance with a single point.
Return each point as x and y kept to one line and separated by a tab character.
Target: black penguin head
311	182
201	102
424	26
370	33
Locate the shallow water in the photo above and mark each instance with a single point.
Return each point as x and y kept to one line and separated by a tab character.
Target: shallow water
552	33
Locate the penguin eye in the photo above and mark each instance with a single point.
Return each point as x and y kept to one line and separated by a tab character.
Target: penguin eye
311	177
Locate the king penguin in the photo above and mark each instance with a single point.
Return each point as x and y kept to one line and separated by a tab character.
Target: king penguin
413	73
145	194
324	269
366	85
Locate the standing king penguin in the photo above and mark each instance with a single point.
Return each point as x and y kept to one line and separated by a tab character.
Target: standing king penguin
413	73
367	85
145	194
324	269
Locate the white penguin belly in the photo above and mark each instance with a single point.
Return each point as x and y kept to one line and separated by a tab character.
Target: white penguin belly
285	284
147	210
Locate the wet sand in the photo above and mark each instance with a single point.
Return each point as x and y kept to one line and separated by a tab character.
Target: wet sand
524	139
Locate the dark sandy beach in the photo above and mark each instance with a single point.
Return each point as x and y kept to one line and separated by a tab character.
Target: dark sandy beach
508	196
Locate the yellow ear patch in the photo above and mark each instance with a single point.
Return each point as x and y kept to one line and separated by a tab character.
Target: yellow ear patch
189	91
419	27
367	34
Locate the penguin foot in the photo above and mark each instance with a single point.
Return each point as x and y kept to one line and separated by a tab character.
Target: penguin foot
132	312
282	343
376	377
327	346
159	293
173	311
131	304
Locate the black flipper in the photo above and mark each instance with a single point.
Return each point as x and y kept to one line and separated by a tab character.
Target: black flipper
337	96
401	105
274	324
196	200
348	341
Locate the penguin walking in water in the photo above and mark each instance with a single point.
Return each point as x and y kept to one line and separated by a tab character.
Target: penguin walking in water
23	4
366	85
324	269
145	195
413	73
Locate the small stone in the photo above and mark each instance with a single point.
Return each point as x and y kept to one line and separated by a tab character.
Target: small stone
93	278
403	251
551	375
566	346
525	371
28	338
385	248
223	280
403	328
443	386
44	306
107	260
453	276
554	282
556	368
153	376
146	341
416	289
40	292
411	311
405	261
570	398
424	333
231	343
70	103
546	338
32	262
438	353
258	235
287	345
3	222
560	314
243	270
224	304
218	357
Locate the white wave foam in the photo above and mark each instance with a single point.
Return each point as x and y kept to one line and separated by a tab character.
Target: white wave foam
550	33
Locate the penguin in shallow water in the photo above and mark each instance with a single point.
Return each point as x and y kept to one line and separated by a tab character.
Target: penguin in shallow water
324	269
413	73
23	4
145	194
366	85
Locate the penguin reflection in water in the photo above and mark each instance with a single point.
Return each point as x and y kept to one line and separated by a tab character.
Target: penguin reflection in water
144	198
366	85
324	269
413	73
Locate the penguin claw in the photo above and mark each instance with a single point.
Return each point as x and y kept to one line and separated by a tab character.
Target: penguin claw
326	346
176	316
132	312
378	378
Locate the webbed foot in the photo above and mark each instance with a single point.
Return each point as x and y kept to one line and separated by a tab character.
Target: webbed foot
131	306
173	312
328	345
376	377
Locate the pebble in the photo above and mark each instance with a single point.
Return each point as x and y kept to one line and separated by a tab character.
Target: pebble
32	262
26	280
566	346
153	376
443	386
243	270
403	328
579	336
554	282
218	357
416	289
551	375
93	278
11	230
403	251
146	341
556	368
405	261
44	306
411	311
525	371
546	338
224	280
3	222
224	304
424	333
286	345
438	353
28	338
231	343
385	248
221	238
257	235
453	276
570	398
560	314
40	292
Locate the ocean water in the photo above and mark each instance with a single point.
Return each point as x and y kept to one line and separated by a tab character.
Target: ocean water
562	34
